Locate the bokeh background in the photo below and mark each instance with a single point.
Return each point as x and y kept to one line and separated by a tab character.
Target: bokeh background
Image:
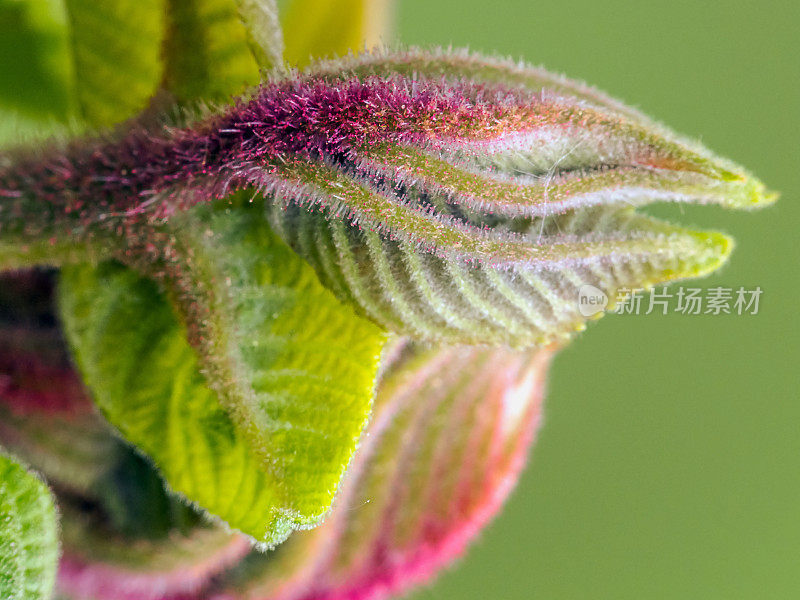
669	462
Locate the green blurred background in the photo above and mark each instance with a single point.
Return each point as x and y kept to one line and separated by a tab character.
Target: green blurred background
669	462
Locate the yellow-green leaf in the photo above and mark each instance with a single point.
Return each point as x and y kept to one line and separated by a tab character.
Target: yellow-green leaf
320	28
258	421
28	535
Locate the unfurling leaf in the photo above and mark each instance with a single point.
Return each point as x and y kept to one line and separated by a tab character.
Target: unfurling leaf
447	197
28	534
450	433
257	422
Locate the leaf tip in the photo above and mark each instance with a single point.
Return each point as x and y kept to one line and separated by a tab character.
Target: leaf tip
708	251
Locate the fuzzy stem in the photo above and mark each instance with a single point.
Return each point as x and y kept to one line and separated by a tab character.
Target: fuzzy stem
92	189
74	203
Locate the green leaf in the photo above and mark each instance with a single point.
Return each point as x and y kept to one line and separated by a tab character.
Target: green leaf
321	28
211	54
86	63
79	62
206	53
35	69
122	531
28	535
450	433
258	421
116	50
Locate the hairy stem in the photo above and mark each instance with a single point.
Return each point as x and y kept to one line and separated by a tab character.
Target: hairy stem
91	190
